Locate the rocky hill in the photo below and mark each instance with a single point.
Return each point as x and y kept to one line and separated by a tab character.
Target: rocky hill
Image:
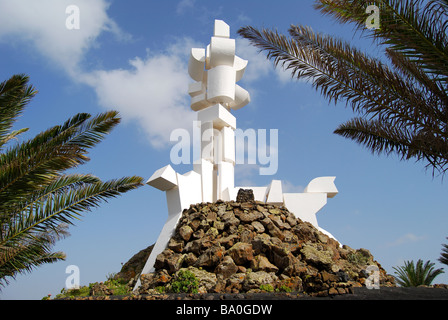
250	246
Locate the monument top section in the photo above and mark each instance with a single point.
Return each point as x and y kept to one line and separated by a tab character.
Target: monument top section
216	70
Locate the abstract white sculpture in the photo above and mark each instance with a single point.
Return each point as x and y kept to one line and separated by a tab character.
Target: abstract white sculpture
214	94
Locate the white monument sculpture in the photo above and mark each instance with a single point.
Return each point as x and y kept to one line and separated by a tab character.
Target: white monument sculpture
216	70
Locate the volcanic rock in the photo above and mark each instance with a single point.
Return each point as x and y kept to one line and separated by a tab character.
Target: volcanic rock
250	246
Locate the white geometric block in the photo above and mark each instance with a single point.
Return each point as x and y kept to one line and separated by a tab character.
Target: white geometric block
207	141
242	98
222	52
163	179
190	190
196	64
239	66
196	88
226	179
228	145
324	185
219	115
221	84
200	102
205	170
275	193
221	29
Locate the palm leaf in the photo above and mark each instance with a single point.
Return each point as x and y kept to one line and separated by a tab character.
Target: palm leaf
405	104
416	30
27	166
60	208
27	238
411	275
37	200
15	94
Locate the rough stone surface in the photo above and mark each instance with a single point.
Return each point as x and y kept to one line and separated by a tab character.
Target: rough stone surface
250	246
245	195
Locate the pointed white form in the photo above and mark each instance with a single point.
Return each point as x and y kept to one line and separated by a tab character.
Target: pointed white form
163	179
322	184
306	205
275	193
221	29
186	191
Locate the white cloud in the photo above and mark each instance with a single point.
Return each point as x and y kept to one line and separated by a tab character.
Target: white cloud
405	239
289	187
43	25
153	92
258	65
183	5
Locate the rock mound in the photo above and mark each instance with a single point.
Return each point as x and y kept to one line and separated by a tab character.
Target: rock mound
237	247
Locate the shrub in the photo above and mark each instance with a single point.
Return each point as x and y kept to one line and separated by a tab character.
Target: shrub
185	282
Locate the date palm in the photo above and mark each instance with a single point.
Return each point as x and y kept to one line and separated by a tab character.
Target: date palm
411	275
38	200
400	99
444	255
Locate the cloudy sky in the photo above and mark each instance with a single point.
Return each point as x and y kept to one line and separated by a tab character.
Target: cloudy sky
132	56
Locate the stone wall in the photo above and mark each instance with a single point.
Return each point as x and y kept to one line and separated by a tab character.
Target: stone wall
236	247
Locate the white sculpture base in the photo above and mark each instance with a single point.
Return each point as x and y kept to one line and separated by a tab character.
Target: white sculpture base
184	190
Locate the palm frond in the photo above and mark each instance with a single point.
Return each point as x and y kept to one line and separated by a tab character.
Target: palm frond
416	30
56	208
22	257
15	94
414	275
444	255
385	138
405	104
341	72
37	200
27	166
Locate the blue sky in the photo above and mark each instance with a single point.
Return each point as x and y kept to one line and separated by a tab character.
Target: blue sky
132	56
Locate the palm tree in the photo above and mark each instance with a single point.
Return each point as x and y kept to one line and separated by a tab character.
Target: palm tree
37	199
401	99
444	255
411	275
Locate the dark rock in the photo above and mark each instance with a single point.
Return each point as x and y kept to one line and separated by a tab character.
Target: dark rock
227	267
241	253
211	257
134	265
245	246
245	195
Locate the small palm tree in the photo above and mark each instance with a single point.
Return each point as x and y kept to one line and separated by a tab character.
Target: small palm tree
444	255
37	199
411	275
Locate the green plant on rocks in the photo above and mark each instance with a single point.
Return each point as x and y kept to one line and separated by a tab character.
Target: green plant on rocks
267	287
185	282
358	258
